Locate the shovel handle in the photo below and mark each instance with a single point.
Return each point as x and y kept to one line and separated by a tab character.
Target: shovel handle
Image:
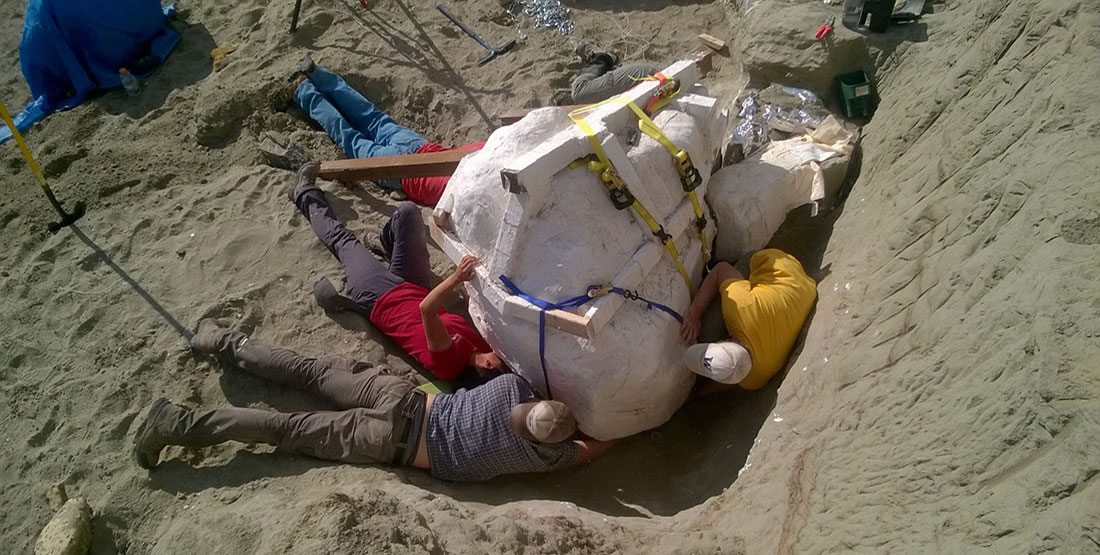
472	34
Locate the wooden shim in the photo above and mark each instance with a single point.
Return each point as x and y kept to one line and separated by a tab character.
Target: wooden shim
512	116
431	164
711	41
568	322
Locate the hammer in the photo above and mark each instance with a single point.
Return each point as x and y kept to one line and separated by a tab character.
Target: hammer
493	52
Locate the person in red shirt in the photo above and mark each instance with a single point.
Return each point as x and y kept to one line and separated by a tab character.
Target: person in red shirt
361	129
398	300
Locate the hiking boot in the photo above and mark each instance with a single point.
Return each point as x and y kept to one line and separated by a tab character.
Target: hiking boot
373	241
304	180
208	337
156	432
324	292
285	96
605	59
280	152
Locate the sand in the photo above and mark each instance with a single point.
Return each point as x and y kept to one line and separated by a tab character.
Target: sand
944	397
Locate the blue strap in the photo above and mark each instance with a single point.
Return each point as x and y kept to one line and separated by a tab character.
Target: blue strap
649	304
574	302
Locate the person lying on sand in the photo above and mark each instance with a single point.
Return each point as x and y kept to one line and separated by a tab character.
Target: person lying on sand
599	79
764	315
397	300
471	435
361	129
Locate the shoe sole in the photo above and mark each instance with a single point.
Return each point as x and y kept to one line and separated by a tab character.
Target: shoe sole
155	409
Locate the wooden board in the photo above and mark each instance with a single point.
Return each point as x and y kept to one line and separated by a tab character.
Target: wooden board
429	164
711	41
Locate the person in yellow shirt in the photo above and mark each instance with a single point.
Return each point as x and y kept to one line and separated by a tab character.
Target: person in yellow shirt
764	315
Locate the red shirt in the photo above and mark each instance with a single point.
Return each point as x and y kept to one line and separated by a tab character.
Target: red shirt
427	190
397	314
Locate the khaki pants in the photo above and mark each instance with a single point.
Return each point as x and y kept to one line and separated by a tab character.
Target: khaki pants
595	84
379	413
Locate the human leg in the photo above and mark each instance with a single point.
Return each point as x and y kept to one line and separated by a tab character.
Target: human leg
365	116
320	109
593	85
403	237
354	436
341	381
367	278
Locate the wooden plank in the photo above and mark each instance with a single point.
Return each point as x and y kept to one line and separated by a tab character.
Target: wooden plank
711	41
534	170
568	322
430	164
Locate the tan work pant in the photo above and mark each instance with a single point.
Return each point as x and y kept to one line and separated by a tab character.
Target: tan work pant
379	413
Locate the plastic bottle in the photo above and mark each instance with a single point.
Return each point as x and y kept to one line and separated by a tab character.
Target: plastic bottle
129	82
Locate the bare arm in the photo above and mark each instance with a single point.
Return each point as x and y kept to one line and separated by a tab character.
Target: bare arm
439	339
689	331
592	449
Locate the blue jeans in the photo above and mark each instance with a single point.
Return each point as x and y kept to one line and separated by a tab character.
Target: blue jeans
356	124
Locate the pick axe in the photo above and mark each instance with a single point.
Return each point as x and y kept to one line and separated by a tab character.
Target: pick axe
493	52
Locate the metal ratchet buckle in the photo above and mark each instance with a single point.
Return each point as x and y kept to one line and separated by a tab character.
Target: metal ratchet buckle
690	178
598	291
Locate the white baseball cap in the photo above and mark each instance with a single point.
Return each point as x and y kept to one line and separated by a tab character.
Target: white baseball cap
550	421
727	362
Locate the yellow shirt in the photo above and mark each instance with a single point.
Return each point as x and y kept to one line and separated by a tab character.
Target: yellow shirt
765	313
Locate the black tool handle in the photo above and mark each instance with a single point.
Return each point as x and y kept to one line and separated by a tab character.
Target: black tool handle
294	18
472	34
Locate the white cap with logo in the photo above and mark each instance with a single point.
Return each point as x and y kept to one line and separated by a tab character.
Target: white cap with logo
727	362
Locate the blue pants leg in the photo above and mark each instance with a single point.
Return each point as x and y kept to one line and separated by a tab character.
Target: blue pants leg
364	115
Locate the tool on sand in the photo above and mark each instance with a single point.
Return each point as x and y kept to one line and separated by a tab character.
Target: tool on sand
67	218
493	52
825	29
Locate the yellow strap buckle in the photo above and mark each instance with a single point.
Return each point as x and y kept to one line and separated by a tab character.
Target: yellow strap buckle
690	178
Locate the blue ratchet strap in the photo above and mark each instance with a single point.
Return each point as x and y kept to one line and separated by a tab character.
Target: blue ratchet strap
543	307
601	290
574	302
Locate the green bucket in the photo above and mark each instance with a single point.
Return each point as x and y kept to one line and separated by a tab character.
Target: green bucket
856	94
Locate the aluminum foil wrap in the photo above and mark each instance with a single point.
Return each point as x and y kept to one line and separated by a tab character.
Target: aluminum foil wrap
545	13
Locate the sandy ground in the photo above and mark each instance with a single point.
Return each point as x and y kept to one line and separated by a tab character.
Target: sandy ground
944	397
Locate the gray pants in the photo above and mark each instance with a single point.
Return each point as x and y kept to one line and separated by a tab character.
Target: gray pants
595	84
403	237
378	421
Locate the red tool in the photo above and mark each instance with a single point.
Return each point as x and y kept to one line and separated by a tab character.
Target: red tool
825	29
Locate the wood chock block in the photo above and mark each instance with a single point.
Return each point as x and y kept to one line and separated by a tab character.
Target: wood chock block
711	41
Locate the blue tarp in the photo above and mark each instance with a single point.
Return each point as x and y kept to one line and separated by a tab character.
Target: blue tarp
71	48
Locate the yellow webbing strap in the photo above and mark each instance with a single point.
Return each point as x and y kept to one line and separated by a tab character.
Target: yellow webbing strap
621	193
680	158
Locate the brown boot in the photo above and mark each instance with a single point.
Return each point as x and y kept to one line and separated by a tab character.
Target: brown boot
156	432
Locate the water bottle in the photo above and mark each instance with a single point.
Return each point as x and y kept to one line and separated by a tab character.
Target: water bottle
129	82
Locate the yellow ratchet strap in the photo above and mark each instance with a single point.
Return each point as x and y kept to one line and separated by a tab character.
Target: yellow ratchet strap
690	178
621	196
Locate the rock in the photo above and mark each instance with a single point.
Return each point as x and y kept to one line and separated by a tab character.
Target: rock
69	532
56	496
554	232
